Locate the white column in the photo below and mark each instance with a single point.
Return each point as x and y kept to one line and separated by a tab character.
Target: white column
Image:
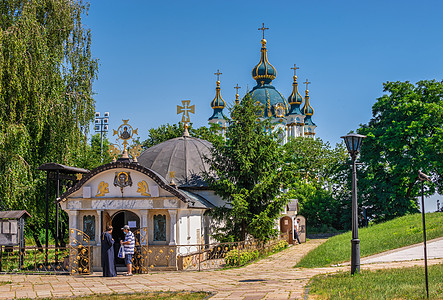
173	217
144	227
99	226
73	215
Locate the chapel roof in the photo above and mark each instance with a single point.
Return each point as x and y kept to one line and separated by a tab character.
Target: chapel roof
185	156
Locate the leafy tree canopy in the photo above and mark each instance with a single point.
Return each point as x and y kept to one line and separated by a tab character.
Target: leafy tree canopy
404	135
167	132
248	172
320	182
46	104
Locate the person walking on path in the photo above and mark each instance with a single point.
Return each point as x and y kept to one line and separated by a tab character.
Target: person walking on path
296	229
129	245
108	263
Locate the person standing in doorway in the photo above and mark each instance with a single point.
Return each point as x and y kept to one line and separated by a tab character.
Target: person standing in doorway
108	263
296	230
129	245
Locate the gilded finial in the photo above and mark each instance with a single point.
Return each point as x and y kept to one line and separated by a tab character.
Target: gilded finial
295	68
185	110
307	82
237	101
263	28
218	74
125	132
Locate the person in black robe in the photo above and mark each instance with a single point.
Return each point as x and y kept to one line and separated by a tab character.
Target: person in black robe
108	263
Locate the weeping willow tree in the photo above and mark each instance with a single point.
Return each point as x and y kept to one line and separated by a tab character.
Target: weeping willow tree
46	103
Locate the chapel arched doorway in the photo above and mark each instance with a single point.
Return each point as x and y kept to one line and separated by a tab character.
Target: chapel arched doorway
119	220
286	227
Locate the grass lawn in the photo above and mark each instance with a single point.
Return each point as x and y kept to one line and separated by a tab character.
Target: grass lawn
374	239
148	295
405	283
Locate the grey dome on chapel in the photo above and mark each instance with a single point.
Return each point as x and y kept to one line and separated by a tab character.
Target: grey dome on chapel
183	155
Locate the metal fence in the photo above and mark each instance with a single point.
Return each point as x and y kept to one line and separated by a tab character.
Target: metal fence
31	259
198	257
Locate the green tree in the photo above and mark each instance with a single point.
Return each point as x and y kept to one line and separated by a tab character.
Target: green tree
248	172
320	182
167	132
92	157
404	135
46	104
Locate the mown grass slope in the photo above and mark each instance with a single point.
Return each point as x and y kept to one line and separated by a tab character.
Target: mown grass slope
374	239
404	283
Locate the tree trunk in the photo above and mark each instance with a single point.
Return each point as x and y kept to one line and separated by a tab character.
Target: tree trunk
35	236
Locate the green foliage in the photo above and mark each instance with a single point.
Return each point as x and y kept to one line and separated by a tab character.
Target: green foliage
234	258
404	283
167	132
46	104
92	155
237	257
248	172
281	245
404	136
320	184
400	232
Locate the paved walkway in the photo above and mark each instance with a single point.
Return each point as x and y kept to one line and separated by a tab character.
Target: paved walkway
270	278
414	252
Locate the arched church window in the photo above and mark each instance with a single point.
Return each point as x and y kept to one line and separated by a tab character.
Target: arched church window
160	228
89	226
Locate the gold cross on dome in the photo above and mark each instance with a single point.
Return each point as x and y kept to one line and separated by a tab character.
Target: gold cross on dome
295	68
218	74
237	87
306	82
263	28
185	110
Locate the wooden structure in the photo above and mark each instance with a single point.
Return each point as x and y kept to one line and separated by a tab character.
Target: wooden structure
12	225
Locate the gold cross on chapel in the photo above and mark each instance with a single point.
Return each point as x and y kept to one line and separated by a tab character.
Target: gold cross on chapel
306	82
263	28
185	110
295	68
218	74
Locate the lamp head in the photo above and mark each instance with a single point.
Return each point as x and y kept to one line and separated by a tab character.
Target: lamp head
353	143
423	177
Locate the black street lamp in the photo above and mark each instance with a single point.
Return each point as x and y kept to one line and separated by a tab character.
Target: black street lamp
423	177
353	143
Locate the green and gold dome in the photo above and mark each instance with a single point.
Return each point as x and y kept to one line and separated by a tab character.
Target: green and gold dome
272	101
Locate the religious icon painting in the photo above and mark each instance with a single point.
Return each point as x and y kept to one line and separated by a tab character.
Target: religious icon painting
122	180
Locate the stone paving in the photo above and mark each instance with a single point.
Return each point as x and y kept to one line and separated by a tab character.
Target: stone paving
270	278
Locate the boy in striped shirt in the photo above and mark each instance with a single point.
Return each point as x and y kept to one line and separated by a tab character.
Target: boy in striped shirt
129	245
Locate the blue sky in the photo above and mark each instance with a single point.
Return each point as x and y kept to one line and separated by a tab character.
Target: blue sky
153	54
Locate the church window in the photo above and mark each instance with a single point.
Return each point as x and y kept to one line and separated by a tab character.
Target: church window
89	226
160	228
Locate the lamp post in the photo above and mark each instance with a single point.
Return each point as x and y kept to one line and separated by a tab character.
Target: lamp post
423	177
353	143
101	125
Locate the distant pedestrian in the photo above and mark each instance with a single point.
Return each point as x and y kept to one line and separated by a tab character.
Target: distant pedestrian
296	230
108	263
129	245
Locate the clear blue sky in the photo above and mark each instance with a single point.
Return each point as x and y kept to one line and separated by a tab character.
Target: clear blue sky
153	54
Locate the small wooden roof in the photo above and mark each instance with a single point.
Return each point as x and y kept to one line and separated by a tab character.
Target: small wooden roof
13	214
62	168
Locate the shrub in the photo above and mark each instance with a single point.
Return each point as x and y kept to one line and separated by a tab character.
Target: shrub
282	244
232	257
